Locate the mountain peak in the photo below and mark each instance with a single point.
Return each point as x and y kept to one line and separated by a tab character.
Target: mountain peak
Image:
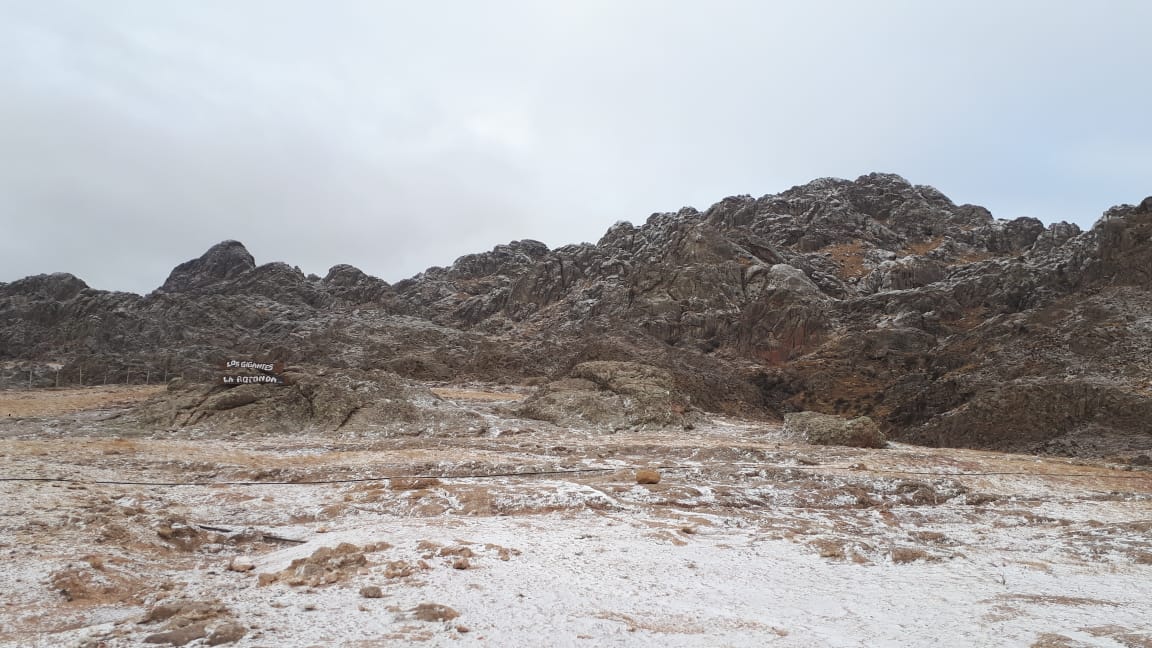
222	261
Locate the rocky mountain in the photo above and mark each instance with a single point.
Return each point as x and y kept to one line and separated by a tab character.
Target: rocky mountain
869	297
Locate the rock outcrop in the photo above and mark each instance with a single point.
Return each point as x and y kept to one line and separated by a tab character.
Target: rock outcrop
322	400
869	297
223	261
829	429
612	395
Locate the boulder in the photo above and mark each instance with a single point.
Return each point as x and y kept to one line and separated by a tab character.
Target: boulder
828	429
613	395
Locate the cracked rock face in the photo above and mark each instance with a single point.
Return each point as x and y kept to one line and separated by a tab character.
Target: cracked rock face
869	297
613	395
314	399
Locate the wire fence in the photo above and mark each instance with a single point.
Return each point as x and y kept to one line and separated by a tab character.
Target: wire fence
567	471
46	377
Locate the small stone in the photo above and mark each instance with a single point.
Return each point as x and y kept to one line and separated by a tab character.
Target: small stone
265	579
241	564
461	563
434	612
462	629
647	476
226	633
371	591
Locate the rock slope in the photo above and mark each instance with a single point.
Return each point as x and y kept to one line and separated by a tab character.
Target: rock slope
873	297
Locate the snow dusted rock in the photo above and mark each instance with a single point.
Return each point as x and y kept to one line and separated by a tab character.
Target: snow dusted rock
226	633
314	398
755	306
241	564
612	394
826	429
223	261
433	612
187	621
371	592
351	283
179	636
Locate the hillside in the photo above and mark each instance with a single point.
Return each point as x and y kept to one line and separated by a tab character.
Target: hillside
873	297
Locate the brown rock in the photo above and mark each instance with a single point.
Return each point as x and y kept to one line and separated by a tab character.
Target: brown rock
179	636
241	564
828	429
434	612
226	633
647	476
371	591
183	612
461	563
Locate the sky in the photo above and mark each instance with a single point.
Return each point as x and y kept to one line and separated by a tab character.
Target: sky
395	136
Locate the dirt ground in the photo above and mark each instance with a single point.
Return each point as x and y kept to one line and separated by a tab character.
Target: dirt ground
53	402
530	534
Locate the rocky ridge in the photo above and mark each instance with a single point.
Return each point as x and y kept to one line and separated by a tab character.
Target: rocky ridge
873	297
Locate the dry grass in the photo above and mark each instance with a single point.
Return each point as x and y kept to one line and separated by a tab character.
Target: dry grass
850	258
54	402
924	247
1035	565
1050	599
828	548
413	483
97	582
975	257
972	317
1052	640
909	554
684	624
1124	636
930	536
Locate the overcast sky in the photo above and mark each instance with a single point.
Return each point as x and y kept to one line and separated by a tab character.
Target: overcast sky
399	135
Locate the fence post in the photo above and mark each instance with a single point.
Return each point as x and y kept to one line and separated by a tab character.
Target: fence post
81	376
57	378
29	379
148	377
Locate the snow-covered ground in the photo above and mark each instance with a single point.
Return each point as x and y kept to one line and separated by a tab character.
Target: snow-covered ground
748	540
